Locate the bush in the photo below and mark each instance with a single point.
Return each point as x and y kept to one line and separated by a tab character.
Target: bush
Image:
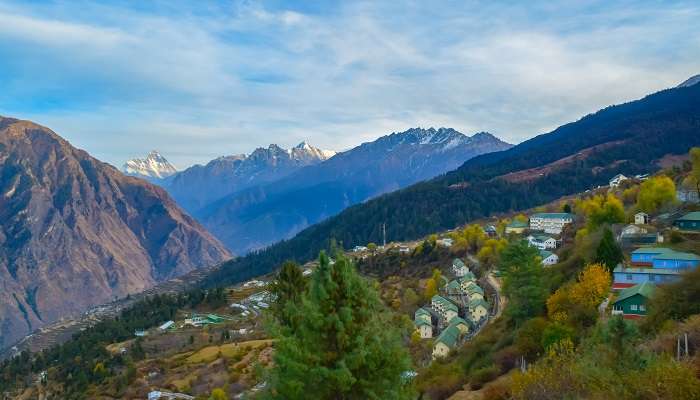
484	375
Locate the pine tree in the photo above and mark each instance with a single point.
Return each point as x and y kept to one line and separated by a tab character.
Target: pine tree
287	290
342	345
608	252
523	281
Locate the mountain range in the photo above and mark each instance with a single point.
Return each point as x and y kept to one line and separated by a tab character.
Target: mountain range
263	214
200	185
75	232
630	138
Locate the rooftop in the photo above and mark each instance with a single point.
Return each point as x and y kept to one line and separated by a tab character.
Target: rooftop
517	224
449	336
553	215
665	253
445	303
655	271
645	289
545	254
458	263
692	216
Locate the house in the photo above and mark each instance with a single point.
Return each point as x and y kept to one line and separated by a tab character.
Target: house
459	268
444	308
424	323
490	231
453	288
461	324
445	242
516	227
466	281
617	180
552	223
631	230
478	309
446	342
641	218
166	325
474	291
689	222
548	258
404	249
661	257
140	333
631	303
687	195
358	249
542	242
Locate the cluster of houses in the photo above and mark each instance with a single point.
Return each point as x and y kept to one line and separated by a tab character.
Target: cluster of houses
457	311
651	266
543	228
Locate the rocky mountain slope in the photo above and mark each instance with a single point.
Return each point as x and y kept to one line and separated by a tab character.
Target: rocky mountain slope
198	186
154	167
630	138
75	232
264	214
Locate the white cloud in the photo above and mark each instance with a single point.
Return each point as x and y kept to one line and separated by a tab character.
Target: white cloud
200	84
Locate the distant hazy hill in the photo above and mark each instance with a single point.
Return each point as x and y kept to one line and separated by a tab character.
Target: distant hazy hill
628	138
75	232
264	214
200	185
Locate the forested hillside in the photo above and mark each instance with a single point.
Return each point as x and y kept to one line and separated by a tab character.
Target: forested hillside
627	138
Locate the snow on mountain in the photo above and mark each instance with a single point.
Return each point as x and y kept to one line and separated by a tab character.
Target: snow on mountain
304	151
693	80
154	166
199	185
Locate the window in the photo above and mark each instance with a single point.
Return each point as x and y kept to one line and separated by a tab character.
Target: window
629	277
652	277
633	307
642	308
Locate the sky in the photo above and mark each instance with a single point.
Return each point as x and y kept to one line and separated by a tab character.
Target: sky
200	79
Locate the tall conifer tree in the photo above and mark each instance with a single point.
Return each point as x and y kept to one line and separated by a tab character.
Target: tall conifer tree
341	345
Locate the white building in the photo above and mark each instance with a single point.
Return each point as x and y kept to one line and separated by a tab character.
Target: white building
459	268
552	223
617	180
641	218
548	258
445	308
542	242
358	249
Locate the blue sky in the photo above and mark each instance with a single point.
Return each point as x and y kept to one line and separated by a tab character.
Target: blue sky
197	80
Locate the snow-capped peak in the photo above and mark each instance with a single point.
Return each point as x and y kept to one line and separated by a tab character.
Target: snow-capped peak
693	80
153	166
304	151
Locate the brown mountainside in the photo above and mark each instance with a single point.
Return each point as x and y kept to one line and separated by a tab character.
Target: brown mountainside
75	232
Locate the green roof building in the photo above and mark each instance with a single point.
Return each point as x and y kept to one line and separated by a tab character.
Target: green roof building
446	342
632	302
689	222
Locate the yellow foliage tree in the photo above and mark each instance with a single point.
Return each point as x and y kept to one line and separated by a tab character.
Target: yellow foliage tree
600	210
656	192
218	394
583	296
490	252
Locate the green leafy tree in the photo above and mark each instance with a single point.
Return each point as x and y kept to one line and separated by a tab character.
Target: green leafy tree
343	346
608	252
287	289
523	281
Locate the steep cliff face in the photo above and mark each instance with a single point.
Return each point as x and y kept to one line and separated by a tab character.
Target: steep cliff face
75	232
